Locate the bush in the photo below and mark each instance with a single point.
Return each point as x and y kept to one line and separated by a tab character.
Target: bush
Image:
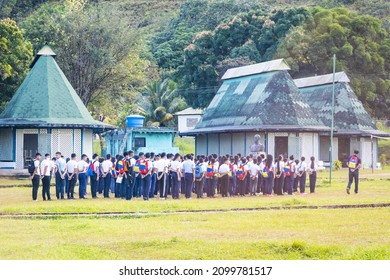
337	164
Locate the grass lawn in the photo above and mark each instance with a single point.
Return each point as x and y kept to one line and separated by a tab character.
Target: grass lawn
163	233
281	234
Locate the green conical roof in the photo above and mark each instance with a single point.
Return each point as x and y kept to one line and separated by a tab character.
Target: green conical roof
47	99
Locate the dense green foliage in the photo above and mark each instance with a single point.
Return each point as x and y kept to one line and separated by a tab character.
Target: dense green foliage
362	47
247	38
112	50
15	57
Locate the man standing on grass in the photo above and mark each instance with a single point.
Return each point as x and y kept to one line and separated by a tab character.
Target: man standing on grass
354	164
106	168
71	169
60	176
95	178
82	166
46	168
189	175
35	175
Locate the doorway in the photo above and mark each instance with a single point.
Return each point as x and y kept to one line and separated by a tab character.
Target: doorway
30	148
281	146
344	150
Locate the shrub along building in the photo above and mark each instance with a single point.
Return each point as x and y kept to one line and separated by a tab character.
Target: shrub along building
45	115
263	99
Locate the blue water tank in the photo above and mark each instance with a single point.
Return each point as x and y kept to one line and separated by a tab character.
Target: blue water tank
135	121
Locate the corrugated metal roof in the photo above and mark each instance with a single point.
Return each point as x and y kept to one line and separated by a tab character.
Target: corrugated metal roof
340	77
268	66
263	101
47	99
190	111
349	113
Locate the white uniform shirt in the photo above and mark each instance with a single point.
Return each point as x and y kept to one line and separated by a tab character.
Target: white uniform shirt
314	169
61	164
36	165
175	165
45	163
254	169
188	166
281	166
82	166
302	166
161	165
224	168
107	166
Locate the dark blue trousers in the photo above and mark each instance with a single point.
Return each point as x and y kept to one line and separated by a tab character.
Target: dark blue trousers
82	185
175	185
146	182
60	184
354	176
302	182
107	183
189	179
94	185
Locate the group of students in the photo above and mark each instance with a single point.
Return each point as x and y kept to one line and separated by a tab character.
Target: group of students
149	175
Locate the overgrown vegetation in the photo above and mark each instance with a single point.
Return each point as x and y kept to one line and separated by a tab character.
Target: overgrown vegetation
112	50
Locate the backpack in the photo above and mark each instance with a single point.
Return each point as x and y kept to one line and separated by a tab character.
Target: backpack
231	170
198	171
353	162
210	170
265	172
91	169
136	166
31	167
143	167
240	172
287	169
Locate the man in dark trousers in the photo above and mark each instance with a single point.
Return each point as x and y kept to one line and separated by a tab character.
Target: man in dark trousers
35	176
354	164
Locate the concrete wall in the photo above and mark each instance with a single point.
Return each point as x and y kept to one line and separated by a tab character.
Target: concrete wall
200	145
187	122
225	144
238	143
6	144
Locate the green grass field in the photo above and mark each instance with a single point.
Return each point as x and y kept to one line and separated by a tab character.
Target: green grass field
168	230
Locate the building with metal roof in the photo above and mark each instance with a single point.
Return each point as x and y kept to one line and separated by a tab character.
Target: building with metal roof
354	128
188	119
291	116
45	115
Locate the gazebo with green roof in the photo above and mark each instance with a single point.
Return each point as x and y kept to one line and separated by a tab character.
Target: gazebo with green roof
45	115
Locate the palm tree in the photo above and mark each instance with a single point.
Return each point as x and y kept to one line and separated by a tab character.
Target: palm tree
162	101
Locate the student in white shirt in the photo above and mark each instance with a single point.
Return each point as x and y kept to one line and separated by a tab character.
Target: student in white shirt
161	165
94	180
189	175
269	175
176	176
82	166
301	169
71	169
60	176
106	175
254	176
279	176
312	170
35	176
223	171
46	167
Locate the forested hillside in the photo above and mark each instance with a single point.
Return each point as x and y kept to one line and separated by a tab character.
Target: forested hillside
157	57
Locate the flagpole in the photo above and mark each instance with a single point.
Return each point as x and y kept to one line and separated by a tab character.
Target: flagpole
332	125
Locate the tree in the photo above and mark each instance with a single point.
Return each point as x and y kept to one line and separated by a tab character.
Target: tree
162	101
92	44
362	48
245	39
15	57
